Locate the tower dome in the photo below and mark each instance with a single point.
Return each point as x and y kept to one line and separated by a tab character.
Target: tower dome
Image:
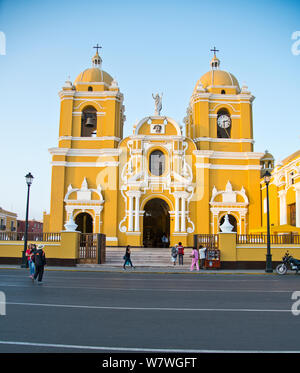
94	74
216	80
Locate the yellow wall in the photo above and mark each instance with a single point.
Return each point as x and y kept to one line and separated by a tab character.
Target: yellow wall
67	248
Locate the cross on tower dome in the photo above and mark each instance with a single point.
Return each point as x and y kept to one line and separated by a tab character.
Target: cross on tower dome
215	62
97	60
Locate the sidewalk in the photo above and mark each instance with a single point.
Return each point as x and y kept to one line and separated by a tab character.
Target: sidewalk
146	269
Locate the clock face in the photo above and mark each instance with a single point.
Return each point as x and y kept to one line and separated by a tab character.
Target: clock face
224	121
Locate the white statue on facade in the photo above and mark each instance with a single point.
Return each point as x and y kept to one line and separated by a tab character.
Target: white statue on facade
158	103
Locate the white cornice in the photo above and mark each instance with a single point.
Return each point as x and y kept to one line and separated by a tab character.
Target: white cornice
211	139
103	138
85	164
85	152
227	167
157	137
227	155
98	93
92	83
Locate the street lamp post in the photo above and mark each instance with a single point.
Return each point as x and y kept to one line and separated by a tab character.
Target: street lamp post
29	179
269	269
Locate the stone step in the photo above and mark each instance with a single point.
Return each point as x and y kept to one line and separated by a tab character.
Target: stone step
145	256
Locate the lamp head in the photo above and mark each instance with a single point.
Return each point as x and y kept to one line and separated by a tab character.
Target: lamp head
29	178
267	177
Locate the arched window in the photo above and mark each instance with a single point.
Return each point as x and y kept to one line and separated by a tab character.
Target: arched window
88	122
90	88
223	92
223	124
157	163
232	221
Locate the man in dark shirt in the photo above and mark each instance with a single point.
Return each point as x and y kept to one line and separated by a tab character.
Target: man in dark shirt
39	259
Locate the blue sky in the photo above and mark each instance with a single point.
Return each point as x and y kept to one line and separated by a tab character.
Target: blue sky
153	46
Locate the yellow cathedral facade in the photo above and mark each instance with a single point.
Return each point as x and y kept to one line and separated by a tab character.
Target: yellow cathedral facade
165	179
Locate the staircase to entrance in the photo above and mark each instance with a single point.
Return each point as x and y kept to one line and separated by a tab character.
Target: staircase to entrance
145	256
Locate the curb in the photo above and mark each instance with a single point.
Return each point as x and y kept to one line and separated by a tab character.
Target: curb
146	271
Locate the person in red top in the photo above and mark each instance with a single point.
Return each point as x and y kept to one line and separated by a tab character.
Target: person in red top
180	250
29	253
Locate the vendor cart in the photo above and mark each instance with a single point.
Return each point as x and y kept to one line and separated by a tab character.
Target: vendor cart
212	259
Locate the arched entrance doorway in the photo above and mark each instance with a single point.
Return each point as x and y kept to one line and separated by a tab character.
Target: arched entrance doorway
84	222
232	221
156	223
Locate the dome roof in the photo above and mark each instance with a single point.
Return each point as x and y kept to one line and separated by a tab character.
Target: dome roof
218	78
267	156
94	74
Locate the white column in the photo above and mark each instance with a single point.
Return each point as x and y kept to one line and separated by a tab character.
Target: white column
137	213
282	204
297	189
183	227
176	213
130	218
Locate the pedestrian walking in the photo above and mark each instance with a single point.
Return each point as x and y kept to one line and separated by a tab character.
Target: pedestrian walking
180	250
202	256
195	258
164	240
30	253
127	259
174	253
39	259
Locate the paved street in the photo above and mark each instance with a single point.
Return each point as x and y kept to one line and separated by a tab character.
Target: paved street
86	311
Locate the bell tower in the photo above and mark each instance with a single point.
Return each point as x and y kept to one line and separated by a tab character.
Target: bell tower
219	116
219	121
92	106
90	129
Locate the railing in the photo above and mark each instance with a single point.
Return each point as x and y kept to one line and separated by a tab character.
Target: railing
210	241
31	236
262	239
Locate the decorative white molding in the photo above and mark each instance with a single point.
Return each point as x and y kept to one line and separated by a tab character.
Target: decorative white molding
84	164
215	139
229	205
85	152
169	120
227	167
227	155
229	195
102	138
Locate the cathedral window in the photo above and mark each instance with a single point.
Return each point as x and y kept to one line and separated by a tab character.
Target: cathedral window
88	122
157	163
291	178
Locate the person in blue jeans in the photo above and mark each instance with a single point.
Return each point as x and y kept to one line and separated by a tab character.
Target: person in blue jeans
29	253
127	259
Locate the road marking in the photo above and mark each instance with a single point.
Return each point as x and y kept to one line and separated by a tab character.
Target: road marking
147	308
151	289
137	349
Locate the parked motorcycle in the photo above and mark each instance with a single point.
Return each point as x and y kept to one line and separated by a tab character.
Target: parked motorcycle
288	262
